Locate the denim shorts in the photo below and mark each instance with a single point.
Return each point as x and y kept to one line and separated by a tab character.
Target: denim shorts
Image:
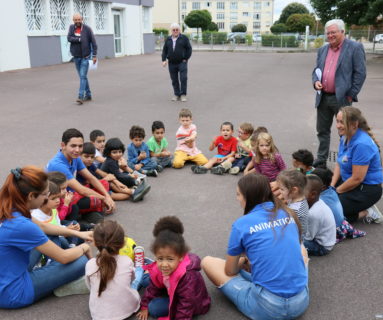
258	303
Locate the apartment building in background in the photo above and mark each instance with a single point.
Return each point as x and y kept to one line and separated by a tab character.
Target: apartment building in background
257	15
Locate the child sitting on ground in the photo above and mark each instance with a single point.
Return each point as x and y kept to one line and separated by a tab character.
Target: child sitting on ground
110	275
113	152
226	146
158	146
328	194
292	185
139	154
303	160
243	155
97	137
320	237
186	135
177	287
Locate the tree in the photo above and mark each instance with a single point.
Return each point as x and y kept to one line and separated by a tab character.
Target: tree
198	19
290	9
324	9
278	28
212	26
298	22
239	28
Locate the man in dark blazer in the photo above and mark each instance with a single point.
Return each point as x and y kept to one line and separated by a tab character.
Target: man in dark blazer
177	51
338	78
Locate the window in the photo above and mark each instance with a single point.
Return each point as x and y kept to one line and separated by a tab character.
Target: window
196	5
220	5
183	16
83	7
220	16
59	10
233	5
257	16
208	4
183	5
221	25
100	15
146	21
233	16
266	4
257	5
245	4
256	25
245	14
35	15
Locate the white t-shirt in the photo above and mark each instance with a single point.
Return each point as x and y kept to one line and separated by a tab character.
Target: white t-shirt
118	301
321	225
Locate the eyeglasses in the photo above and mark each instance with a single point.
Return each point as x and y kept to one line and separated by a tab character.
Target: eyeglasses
331	33
240	132
175	29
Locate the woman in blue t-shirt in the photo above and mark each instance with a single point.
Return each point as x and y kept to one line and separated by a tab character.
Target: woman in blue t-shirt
358	172
21	282
268	235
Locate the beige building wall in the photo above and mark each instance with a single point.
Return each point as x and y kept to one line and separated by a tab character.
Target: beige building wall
257	15
165	12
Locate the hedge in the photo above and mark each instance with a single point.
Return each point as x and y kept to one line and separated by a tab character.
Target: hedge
158	31
276	41
214	37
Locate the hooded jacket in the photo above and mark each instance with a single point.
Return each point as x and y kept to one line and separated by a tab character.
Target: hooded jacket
187	292
83	46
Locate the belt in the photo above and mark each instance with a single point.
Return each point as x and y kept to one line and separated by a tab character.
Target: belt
328	94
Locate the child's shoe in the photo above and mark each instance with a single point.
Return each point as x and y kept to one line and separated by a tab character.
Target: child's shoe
198	169
159	168
373	215
152	173
139	256
139	193
218	170
75	287
234	170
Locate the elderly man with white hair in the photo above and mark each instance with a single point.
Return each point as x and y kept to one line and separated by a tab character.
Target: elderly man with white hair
176	53
338	78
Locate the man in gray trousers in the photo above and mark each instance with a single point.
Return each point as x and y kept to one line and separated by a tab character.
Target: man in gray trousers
338	78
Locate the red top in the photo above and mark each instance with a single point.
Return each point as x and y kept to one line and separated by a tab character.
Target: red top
328	79
225	147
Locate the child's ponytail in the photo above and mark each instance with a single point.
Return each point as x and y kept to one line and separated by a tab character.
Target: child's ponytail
109	239
168	232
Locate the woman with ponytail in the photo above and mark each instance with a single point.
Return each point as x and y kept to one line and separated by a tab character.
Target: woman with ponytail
110	275
358	172
23	283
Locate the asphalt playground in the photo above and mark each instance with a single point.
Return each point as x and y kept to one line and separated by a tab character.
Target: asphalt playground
266	89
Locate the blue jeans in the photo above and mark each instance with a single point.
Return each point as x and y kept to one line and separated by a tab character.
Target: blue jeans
258	303
163	161
148	166
82	65
159	307
314	248
241	162
182	70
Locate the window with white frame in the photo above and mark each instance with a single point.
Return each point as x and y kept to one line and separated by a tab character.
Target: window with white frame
257	5
82	7
221	25
59	10
183	5
233	5
245	4
245	14
220	16
100	16
35	15
196	5
256	25
146	21
233	15
257	16
220	5
266	4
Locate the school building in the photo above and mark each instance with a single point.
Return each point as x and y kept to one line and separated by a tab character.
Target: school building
257	15
34	32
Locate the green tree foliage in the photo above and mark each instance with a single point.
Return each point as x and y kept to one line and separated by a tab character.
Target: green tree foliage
360	12
239	28
278	28
297	22
198	19
290	9
212	26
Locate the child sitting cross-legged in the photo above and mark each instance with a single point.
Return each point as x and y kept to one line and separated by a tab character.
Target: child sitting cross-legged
176	289
158	146
243	155
122	181
139	154
320	237
226	146
97	137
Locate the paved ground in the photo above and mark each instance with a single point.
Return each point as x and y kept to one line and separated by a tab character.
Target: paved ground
273	90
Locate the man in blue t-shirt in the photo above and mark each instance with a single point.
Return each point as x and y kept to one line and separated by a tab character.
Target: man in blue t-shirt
68	161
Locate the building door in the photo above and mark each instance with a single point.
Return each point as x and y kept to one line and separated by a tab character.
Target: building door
117	32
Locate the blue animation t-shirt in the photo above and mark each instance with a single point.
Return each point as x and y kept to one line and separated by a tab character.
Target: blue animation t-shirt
18	236
273	249
360	151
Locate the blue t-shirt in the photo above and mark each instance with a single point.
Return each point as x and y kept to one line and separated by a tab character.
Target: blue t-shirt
18	236
330	197
273	249
360	151
60	163
92	169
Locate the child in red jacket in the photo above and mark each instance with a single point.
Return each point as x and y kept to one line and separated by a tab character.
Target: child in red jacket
176	289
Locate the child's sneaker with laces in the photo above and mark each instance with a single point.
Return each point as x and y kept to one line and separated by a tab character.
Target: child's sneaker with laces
373	215
218	170
199	169
139	256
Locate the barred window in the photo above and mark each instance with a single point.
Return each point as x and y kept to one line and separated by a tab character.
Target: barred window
234	5
60	19
257	5
100	15
196	5
220	5
220	16
256	25
35	15
221	25
257	16
183	6
82	7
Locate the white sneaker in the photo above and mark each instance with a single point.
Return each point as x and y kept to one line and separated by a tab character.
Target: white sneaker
175	98
183	98
373	215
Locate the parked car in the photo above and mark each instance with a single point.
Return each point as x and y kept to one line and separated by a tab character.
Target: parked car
237	37
379	38
257	37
